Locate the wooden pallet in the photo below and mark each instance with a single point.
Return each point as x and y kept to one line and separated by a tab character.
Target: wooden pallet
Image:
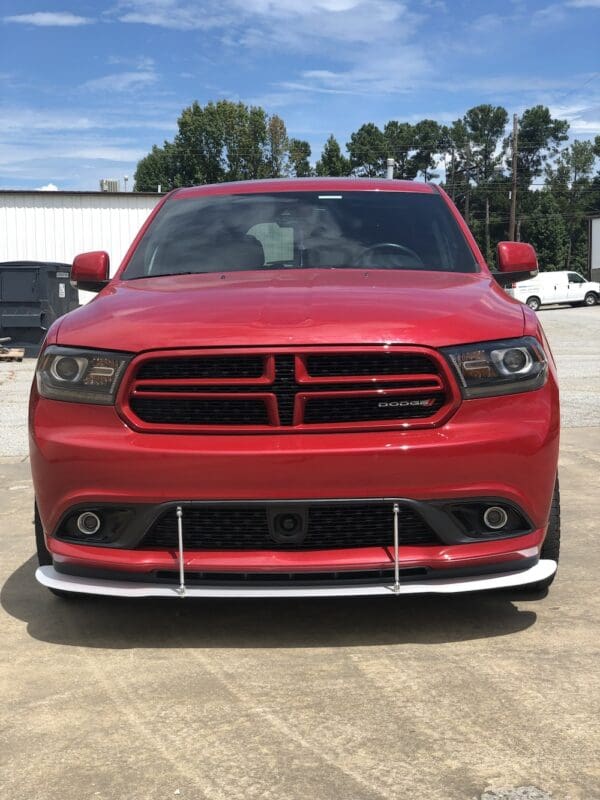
12	353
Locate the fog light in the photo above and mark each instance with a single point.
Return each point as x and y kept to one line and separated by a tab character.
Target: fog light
495	518
88	523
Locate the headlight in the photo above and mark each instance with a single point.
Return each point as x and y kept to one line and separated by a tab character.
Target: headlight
80	376
493	368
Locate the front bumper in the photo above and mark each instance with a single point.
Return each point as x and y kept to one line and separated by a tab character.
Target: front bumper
501	447
49	577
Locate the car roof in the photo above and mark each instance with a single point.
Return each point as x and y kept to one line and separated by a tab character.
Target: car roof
306	185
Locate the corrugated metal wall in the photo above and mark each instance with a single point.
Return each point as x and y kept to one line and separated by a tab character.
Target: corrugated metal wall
56	226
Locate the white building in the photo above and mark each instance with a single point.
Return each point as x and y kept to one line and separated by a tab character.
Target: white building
56	226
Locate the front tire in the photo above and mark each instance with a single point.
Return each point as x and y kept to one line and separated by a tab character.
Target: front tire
43	554
551	546
533	302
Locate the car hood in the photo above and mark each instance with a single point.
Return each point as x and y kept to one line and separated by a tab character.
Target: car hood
295	307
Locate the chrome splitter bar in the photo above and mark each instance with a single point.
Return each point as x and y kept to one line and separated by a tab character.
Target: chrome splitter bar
181	587
396	588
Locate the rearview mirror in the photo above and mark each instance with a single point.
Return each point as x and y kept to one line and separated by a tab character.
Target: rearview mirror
517	261
90	271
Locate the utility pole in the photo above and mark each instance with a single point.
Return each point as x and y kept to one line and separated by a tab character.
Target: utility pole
389	171
488	255
513	193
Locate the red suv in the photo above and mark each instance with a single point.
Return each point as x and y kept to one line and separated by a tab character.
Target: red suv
297	387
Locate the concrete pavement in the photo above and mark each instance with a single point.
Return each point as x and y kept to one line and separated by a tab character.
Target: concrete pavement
424	698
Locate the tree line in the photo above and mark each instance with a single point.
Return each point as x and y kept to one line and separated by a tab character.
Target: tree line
558	183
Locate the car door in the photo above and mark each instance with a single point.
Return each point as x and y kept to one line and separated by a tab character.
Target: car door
577	286
556	288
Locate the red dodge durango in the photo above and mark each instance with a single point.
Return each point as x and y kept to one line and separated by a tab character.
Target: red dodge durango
297	388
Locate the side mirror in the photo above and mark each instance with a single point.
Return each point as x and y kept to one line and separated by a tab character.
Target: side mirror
517	261
90	271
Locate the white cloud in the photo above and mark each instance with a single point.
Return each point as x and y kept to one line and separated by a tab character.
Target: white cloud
554	14
584	3
49	187
39	122
504	85
137	62
582	116
108	153
487	23
264	22
173	14
122	81
371	42
20	120
50	19
383	72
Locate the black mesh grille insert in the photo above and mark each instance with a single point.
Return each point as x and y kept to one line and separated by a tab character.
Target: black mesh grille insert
203	367
233	375
368	364
195	411
330	526
361	409
285	387
350	577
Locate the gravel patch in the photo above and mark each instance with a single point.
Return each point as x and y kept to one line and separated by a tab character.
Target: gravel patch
520	793
574	336
15	382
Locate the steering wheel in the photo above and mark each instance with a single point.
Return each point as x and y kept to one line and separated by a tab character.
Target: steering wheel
393	247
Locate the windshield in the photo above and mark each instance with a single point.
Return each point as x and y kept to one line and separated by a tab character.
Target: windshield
299	230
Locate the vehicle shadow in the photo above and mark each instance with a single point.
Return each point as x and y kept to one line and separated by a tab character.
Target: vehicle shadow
258	623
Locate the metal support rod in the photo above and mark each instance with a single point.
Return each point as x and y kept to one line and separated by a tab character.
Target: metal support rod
396	557
181	589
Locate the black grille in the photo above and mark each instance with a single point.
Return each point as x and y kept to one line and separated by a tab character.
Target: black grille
203	367
181	411
342	578
330	526
285	387
329	366
158	378
360	409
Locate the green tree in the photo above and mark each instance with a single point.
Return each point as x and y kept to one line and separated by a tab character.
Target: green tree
428	141
157	169
222	141
545	229
277	147
484	126
399	144
299	158
245	137
332	163
458	170
367	148
570	181
539	139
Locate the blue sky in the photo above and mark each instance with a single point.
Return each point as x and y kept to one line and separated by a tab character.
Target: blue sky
87	87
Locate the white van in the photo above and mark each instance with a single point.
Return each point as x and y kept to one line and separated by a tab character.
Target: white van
555	287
